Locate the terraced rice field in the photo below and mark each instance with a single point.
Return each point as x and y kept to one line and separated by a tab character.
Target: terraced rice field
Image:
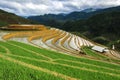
53	54
24	27
27	62
52	38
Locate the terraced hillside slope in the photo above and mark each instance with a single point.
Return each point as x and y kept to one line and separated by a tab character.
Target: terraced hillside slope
25	62
54	54
23	27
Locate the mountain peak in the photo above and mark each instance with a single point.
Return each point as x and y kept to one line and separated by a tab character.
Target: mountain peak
89	10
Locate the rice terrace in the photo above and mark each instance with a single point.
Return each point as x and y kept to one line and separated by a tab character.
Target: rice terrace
38	52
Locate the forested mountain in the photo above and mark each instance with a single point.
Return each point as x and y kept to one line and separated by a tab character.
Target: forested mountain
60	18
10	18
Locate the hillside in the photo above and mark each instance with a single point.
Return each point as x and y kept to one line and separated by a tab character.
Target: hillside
54	54
10	18
102	28
101	25
36	63
53	39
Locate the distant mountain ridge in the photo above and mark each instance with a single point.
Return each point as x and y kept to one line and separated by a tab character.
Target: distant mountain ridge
89	10
84	14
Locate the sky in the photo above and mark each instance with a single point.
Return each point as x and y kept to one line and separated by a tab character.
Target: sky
41	7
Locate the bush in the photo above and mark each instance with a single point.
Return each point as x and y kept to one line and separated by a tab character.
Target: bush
101	40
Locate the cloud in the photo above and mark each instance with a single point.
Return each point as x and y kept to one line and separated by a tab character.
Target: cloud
40	7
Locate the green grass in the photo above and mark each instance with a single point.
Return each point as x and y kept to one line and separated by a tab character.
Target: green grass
2	49
69	71
12	71
74	67
101	56
55	55
88	51
45	52
88	66
18	51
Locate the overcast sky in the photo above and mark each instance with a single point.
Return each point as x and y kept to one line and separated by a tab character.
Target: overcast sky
40	7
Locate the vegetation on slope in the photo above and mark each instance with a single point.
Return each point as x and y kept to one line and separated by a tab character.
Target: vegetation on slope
13	71
36	63
101	56
47	19
101	26
10	18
